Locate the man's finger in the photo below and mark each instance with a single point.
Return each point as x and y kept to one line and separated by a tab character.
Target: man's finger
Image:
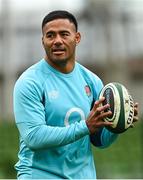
98	102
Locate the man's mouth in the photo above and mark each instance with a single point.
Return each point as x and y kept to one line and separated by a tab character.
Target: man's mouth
58	51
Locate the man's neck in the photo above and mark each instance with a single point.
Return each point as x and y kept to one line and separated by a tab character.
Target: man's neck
63	67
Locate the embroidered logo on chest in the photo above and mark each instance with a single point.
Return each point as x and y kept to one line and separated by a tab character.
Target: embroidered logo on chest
54	94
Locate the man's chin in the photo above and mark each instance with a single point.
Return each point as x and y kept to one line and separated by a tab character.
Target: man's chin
59	61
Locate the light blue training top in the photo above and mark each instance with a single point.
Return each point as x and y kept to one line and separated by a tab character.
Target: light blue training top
50	110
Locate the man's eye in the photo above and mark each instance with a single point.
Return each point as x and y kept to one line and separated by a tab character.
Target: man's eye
65	34
49	35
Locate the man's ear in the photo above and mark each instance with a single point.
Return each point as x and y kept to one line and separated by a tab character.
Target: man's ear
42	40
78	37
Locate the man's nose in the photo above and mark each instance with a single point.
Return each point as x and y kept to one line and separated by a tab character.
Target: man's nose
58	40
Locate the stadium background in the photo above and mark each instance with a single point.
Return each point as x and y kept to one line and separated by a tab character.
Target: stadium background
112	47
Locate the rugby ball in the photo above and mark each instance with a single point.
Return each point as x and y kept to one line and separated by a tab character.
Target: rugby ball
121	105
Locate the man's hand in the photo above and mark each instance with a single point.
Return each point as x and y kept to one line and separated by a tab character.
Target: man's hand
96	116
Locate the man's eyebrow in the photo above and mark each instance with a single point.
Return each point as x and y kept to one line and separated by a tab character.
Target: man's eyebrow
52	31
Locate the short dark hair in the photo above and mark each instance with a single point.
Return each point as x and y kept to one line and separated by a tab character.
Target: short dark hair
60	14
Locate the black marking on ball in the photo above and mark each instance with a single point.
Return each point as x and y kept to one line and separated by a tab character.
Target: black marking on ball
109	99
120	128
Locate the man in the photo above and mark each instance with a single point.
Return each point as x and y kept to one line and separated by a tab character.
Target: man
57	110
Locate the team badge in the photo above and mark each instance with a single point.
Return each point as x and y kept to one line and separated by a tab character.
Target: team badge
87	90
